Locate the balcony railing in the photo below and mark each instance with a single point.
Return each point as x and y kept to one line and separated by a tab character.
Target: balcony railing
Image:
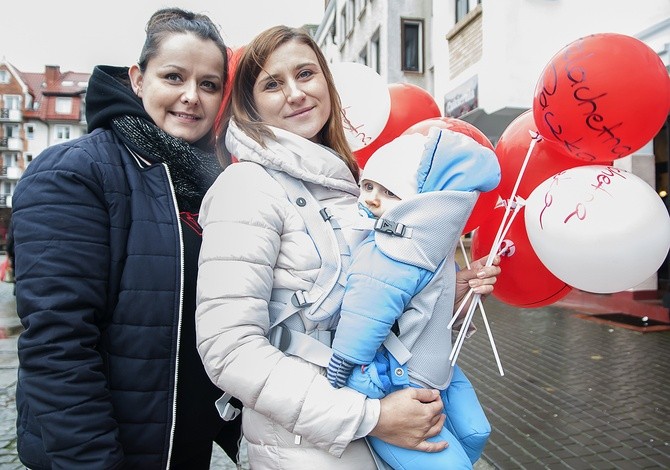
11	172
10	115
11	143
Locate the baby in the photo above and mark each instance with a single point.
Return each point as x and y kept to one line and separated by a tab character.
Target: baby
399	299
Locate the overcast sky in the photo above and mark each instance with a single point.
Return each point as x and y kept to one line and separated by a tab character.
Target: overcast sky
78	34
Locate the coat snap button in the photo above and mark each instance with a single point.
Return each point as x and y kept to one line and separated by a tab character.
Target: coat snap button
301	202
399	372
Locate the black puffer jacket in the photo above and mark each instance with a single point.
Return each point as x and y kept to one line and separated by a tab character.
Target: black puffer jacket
100	263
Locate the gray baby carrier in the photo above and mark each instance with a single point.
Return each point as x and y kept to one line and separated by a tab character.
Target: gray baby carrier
406	233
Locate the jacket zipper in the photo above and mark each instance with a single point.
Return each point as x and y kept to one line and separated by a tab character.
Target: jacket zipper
181	308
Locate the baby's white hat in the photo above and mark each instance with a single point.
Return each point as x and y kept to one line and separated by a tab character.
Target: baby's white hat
394	165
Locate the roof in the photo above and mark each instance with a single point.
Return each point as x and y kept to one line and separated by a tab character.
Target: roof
51	84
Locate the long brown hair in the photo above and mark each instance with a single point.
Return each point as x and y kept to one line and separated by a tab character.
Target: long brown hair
243	106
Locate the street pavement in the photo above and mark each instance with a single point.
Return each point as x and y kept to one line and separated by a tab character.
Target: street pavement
9	329
575	394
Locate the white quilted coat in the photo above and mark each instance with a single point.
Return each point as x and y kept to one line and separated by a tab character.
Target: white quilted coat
254	241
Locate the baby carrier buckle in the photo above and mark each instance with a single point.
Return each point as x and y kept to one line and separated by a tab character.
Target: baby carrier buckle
392	228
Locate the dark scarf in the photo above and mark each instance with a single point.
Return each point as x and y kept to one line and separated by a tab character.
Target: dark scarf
192	170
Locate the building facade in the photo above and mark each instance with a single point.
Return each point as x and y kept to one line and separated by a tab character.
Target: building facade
388	36
36	110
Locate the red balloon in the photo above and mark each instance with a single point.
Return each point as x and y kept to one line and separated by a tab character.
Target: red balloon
523	281
486	201
602	97
409	104
546	160
453	124
481	212
234	56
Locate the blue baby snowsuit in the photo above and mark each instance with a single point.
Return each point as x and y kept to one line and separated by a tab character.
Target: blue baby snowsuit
403	274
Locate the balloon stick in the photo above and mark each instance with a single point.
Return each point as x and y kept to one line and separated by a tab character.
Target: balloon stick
514	204
460	339
484	317
460	308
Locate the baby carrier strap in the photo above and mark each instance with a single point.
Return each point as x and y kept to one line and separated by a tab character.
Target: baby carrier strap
324	298
314	347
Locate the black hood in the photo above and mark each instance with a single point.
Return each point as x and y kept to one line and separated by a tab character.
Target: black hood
109	95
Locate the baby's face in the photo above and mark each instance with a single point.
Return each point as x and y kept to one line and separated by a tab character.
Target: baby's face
377	198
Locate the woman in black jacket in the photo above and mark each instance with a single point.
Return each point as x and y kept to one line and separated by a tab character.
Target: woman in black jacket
106	246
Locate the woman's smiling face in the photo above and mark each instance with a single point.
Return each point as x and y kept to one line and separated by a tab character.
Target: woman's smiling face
182	86
291	92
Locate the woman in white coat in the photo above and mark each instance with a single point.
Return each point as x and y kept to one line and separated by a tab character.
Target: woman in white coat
286	117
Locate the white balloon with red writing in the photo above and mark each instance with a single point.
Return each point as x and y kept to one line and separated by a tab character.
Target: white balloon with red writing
366	102
598	228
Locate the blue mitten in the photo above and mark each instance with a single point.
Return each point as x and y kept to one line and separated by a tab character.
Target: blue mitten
454	161
371	380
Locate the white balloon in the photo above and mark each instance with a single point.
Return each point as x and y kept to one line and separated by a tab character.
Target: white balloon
366	102
598	228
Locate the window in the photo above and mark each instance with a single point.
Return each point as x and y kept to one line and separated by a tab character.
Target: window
30	131
12	101
10	159
8	188
360	7
29	158
62	132
11	130
63	105
374	54
351	16
412	45
363	56
4	76
463	7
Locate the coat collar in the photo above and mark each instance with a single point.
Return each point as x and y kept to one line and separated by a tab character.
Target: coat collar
294	155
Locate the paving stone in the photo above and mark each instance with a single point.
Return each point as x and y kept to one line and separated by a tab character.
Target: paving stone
576	463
